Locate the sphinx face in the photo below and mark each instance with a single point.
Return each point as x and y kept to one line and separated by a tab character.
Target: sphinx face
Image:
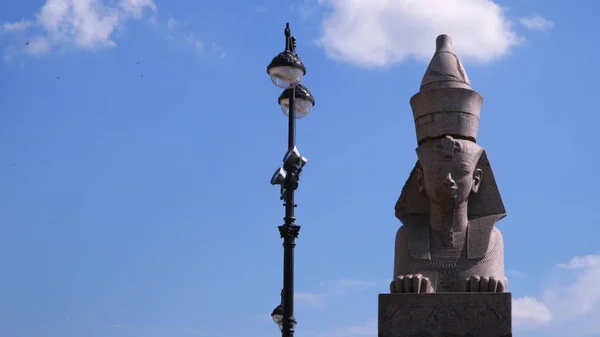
448	173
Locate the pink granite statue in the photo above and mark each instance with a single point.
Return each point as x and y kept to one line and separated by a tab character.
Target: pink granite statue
450	204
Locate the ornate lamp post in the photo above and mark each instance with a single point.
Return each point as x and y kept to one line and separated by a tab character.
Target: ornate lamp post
286	71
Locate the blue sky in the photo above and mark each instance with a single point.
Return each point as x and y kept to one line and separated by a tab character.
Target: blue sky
138	206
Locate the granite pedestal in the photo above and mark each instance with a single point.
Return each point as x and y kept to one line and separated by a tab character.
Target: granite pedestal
445	315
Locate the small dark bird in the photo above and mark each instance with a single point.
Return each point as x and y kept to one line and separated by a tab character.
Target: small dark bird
27	43
138	62
142	76
58	78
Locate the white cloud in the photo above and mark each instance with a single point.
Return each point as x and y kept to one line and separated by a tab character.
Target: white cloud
9	54
571	301
218	50
536	22
528	311
377	33
18	26
38	45
515	273
85	24
172	24
333	288
135	8
582	262
311	299
304	8
196	43
346	284
579	294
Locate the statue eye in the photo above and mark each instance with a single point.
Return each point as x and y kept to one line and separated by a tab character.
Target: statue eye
463	170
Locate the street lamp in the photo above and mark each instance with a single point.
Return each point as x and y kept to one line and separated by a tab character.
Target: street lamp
287	71
277	314
304	101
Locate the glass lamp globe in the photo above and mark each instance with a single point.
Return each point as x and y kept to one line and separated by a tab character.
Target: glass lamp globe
286	70
277	316
302	104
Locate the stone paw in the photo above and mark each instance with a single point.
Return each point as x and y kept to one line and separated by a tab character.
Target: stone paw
478	284
411	284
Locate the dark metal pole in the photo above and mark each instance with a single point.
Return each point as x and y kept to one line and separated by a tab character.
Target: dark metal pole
289	230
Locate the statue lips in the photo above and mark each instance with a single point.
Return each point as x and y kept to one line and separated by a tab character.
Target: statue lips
447	192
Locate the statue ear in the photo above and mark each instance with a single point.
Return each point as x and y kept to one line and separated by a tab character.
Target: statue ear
420	179
476	180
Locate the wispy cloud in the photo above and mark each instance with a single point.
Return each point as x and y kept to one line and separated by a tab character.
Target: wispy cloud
515	273
38	45
196	43
333	288
536	22
312	299
582	262
64	25
9	53
218	50
304	8
17	26
528	311
578	294
571	298
172	24
82	24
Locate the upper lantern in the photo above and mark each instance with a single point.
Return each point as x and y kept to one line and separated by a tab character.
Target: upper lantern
286	69
446	105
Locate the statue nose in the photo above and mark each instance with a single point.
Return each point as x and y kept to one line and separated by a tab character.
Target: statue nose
448	181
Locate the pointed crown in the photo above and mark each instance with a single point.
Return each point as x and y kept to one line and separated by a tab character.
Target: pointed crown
446	104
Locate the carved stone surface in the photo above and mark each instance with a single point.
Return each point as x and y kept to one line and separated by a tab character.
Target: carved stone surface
450	203
445	315
446	104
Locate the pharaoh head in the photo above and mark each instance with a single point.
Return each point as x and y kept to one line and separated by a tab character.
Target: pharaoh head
452	169
447	172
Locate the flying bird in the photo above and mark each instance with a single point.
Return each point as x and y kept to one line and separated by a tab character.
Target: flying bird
27	43
142	76
138	62
58	78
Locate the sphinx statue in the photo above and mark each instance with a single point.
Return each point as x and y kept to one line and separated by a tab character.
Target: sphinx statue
450	203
